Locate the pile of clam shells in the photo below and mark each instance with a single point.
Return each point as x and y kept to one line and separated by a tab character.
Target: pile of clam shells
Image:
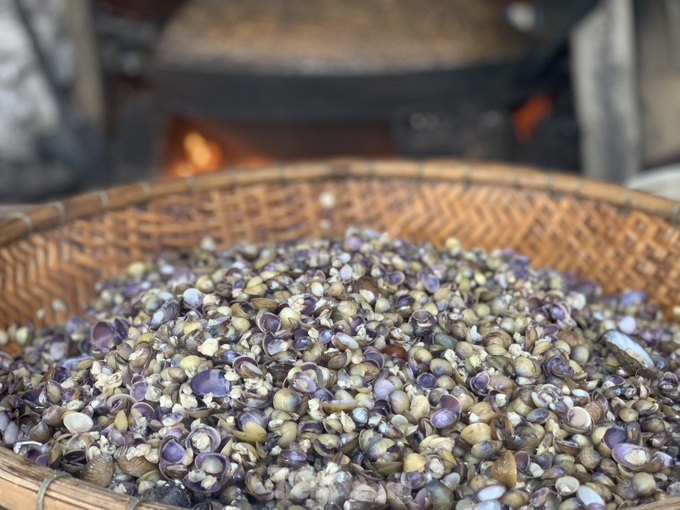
355	373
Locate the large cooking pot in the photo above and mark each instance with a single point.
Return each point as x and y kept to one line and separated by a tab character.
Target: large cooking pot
309	60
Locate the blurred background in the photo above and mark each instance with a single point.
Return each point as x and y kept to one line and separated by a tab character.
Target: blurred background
101	92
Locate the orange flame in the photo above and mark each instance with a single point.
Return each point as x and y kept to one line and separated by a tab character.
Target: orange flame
201	155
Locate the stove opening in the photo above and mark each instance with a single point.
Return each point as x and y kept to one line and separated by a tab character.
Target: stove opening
194	145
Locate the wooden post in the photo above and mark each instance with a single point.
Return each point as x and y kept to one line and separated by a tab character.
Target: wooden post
87	88
603	67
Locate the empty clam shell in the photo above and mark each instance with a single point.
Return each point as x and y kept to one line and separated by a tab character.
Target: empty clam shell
77	423
211	381
632	356
631	456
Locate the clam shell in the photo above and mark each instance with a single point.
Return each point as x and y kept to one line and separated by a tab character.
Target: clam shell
440	495
99	470
631	456
645	484
287	400
630	354
526	367
251	433
492	492
77	423
338	405
589	496
134	466
414	462
476	433
566	485
505	470
287	433
516	498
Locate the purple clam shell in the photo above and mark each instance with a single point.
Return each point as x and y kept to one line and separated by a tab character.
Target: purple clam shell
395	278
121	327
172	452
312	427
538	415
404	301
423	318
129	289
138	390
240	360
167	312
429	281
352	242
104	336
268	322
74	324
196	439
42	460
211	381
32	397
302	383
522	460
310	305
176	432
452	403
427	380
114	436
355	323
252	416
293	458
58	347
325	336
480	382
633	297
382	388
144	410
613	380
202	458
559	312
301	343
205	460
669	382
273	345
558	367
11	433
192	298
615	436
323	394
60	374
443	418
539	496
374	356
622	451
182	275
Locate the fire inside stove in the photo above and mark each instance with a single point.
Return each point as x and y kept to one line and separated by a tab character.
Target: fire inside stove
194	146
200	155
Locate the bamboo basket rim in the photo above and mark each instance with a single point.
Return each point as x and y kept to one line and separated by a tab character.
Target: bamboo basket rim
28	219
43	487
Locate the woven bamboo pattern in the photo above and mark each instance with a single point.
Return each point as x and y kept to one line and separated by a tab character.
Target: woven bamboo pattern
624	239
52	255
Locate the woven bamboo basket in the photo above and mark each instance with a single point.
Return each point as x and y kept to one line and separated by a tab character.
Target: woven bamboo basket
51	255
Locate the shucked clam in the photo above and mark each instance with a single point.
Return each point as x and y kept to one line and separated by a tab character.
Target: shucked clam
363	373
